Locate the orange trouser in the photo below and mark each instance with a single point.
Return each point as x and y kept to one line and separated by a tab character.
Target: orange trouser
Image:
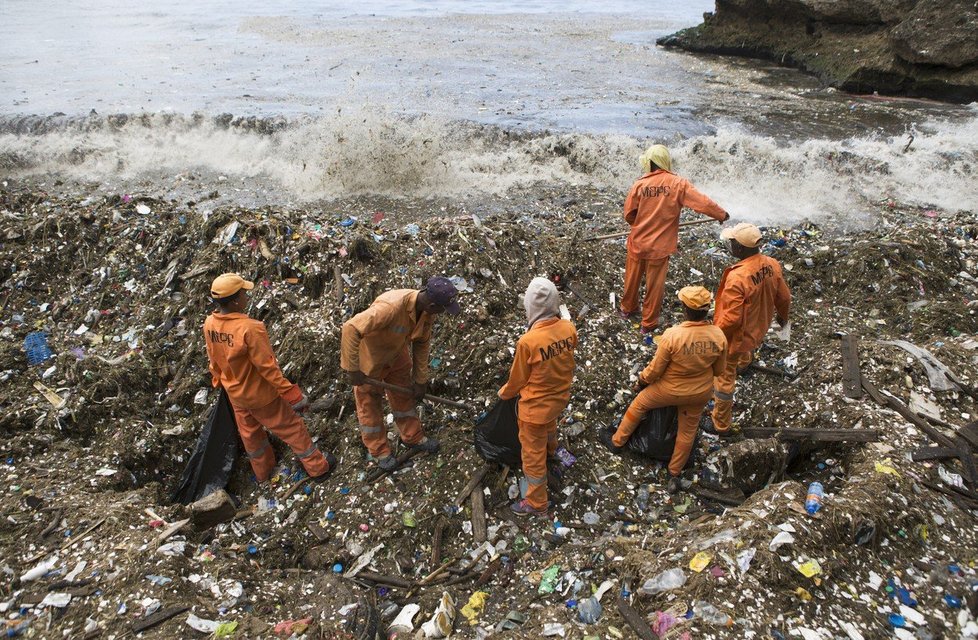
654	272
373	432
537	441
652	397
723	389
277	418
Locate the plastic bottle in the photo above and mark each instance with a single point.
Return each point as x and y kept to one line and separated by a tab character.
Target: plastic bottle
815	496
642	497
665	581
589	611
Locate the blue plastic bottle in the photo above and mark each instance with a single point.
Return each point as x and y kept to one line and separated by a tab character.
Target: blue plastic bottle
814	500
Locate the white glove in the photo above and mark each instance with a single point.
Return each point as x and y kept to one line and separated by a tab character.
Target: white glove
301	405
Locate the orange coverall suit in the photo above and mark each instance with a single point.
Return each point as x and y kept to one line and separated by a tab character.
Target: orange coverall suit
681	375
749	294
241	360
652	209
541	376
375	341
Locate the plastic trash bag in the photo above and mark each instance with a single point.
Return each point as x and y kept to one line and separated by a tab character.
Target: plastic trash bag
655	436
497	434
210	464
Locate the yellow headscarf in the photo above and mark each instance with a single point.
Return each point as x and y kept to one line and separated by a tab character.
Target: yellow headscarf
658	154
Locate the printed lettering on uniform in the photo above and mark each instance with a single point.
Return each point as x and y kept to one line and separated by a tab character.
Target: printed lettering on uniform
221	337
762	274
650	191
399	329
556	348
700	348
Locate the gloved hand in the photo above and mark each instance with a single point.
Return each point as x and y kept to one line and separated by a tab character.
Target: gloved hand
420	389
356	378
638	386
301	405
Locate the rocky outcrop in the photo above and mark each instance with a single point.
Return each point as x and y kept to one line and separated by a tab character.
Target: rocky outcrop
921	48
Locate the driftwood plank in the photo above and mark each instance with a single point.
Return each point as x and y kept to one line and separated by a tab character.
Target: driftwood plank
436	542
970	433
817	435
479	527
933	453
636	621
157	618
471	484
851	377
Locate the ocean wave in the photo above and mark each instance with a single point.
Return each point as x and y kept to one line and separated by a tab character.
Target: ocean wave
373	152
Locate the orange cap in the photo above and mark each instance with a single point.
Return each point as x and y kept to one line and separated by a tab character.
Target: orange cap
695	297
228	284
744	233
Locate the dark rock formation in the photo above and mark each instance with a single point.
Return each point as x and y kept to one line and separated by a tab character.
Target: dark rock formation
922	48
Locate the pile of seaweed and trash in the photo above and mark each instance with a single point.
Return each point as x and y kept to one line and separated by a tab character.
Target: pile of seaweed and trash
105	392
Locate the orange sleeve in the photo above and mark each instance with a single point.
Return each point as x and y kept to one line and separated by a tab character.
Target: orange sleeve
212	366
732	317
519	373
375	317
631	204
420	349
782	298
661	360
720	363
701	203
261	356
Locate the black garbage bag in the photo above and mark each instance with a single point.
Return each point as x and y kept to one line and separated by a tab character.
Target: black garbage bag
210	464
655	436
497	434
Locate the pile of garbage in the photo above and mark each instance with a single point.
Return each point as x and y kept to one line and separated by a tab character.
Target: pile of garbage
105	390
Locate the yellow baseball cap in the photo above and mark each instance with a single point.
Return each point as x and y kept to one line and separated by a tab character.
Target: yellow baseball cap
695	297
658	154
744	233
228	284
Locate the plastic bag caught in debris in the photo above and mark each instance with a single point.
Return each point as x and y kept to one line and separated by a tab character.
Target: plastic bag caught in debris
210	464
497	435
655	436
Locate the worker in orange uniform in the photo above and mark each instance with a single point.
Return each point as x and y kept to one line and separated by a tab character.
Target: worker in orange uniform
751	293
652	209
541	375
390	341
241	361
680	375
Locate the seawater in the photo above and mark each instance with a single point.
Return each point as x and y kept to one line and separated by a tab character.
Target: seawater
450	100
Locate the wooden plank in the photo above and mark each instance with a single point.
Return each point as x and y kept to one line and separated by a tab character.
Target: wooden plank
851	377
337	282
157	618
636	621
969	471
933	453
390	581
716	496
816	435
470	485
436	542
969	433
479	527
895	404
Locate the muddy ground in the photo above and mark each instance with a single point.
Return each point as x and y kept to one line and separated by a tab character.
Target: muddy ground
119	285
